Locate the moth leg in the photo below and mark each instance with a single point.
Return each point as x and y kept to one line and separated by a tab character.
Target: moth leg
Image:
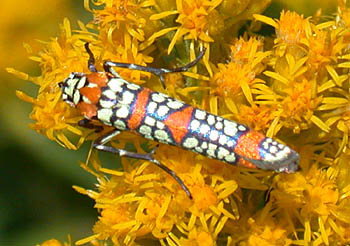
87	124
99	144
157	71
91	61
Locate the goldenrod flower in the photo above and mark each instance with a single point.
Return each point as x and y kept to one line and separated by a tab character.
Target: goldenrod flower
298	106
193	20
248	51
324	49
127	17
232	77
203	21
55	242
315	201
258	118
140	201
234	82
53	117
344	14
292	28
51	242
266	232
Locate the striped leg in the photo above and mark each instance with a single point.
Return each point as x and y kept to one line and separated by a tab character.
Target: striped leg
107	65
91	61
157	71
100	145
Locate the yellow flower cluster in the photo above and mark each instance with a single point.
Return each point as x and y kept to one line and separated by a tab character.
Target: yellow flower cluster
293	86
54	242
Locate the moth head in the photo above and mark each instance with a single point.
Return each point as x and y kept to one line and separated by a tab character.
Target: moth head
70	88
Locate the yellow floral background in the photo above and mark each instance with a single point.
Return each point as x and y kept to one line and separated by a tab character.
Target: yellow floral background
286	76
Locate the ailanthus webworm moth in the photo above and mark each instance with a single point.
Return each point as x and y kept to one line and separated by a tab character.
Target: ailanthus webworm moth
108	98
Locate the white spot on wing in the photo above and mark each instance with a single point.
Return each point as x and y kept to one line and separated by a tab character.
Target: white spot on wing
161	135
104	114
198	149
273	149
222	139
211	119
211	150
163	110
200	114
132	86
211	153
146	131
122	112
194	125
212	146
128	97
190	143
214	135
150	121
157	97
106	104
116	84
110	94
242	128
204	129
204	145
230	143
175	104
230	128
230	158
152	106
120	125
219	125
265	145
222	152
160	125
